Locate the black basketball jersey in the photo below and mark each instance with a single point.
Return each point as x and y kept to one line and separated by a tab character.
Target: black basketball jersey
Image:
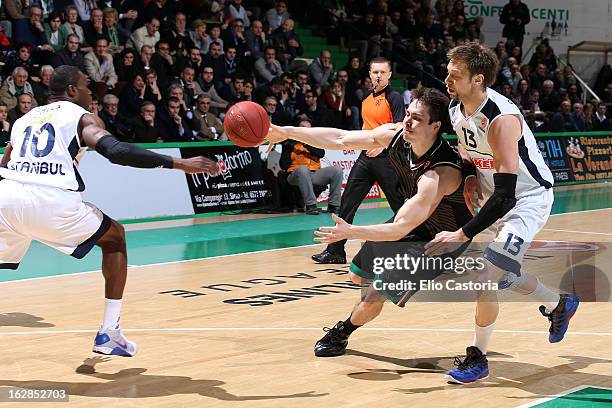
452	213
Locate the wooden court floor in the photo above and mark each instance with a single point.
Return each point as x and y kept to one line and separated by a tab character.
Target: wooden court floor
220	332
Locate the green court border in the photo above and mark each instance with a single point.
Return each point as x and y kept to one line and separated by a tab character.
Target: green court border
573	398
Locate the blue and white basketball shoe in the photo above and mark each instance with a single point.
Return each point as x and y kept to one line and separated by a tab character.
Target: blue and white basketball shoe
113	343
560	317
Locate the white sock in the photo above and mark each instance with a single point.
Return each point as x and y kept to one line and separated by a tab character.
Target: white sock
482	336
112	310
549	298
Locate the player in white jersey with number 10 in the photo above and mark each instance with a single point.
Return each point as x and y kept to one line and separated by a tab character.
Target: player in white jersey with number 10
40	194
510	176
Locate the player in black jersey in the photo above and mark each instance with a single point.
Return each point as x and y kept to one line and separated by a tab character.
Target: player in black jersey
431	182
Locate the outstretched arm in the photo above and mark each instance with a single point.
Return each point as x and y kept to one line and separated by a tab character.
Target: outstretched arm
95	136
432	188
336	139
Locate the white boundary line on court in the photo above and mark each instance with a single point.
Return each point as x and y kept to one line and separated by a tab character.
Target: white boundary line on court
220	329
561	394
577	232
242	253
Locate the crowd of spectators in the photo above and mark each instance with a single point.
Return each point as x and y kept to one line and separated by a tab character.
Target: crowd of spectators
167	70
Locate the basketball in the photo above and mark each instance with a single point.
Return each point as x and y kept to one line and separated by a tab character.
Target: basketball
246	124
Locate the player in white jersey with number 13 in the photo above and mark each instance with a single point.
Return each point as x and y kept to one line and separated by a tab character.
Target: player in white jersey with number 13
40	192
511	178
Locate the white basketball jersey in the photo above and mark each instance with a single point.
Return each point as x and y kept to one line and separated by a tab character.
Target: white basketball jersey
472	133
45	147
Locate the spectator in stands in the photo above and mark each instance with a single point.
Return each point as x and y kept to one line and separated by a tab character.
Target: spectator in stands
303	165
589	117
249	87
459	30
234	92
162	10
318	116
207	85
237	11
321	69
515	16
41	88
234	37
215	36
562	121
174	125
116	123
523	96
179	39
517	53
191	89
549	98
115	35
24	105
100	68
256	40
268	67
601	121
22	58
577	117
211	127
356	71
199	36
70	26
350	97
56	37
277	15
71	54
153	88
15	85
163	63
286	42
270	105
133	95
196	61
94	106
94	28
146	127
230	65
334	101
214	59
127	65
5	126
146	57
32	31
148	34
543	55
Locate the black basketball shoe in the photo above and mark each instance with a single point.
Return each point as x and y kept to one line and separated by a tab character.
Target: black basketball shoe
333	343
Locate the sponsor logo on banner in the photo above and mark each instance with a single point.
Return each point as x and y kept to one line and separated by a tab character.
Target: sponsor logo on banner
345	159
239	184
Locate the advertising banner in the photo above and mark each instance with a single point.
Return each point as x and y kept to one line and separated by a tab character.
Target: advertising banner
345	159
240	184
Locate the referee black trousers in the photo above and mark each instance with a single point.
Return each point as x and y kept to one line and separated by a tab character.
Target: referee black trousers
363	175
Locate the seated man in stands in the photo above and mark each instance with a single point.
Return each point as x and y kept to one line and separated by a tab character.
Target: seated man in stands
211	127
116	123
303	165
146	127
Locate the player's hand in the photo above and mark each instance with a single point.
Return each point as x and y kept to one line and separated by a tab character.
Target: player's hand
445	242
472	193
198	164
374	152
276	134
328	235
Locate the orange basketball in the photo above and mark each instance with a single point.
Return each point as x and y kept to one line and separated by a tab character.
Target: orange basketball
246	124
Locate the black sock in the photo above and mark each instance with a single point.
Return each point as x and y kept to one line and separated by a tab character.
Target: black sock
349	327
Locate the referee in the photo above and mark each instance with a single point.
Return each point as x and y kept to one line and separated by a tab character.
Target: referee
379	106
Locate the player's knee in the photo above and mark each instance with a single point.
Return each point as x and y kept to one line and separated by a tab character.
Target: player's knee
358	279
114	239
